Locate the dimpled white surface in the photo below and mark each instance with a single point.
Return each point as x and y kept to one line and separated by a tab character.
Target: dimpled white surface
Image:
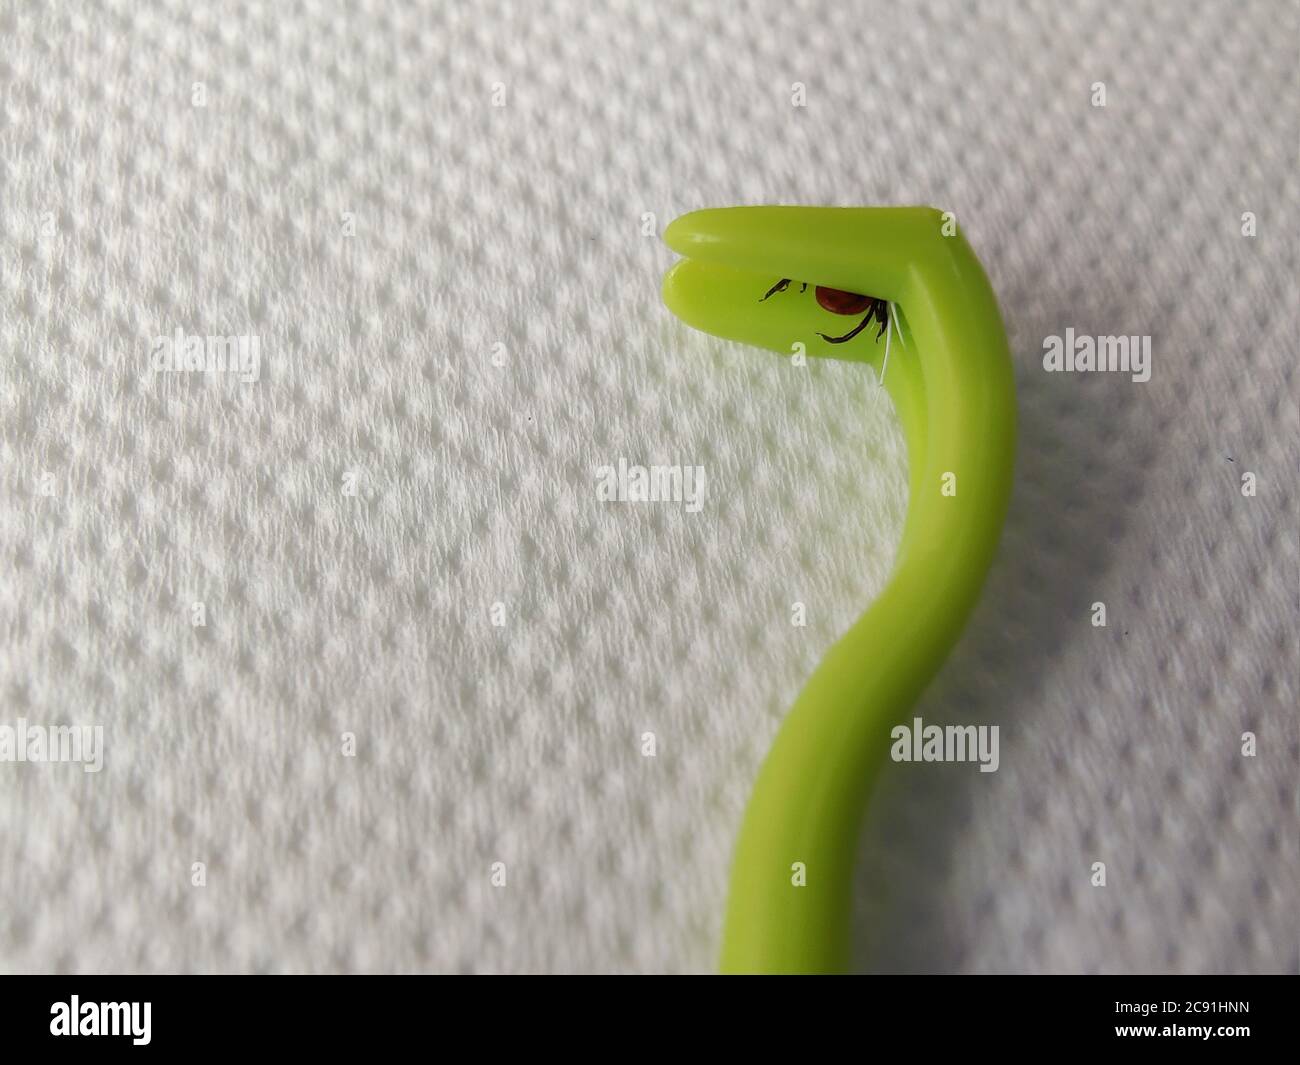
459	314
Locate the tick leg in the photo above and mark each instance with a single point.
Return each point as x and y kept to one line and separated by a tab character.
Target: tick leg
852	333
880	309
780	286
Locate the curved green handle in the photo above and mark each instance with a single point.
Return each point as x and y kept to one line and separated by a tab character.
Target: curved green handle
952	383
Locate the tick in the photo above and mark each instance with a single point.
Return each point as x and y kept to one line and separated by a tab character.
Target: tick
838	301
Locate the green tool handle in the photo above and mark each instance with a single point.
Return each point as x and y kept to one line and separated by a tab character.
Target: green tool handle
953	387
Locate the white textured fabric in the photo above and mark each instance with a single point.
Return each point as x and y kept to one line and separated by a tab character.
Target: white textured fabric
459	317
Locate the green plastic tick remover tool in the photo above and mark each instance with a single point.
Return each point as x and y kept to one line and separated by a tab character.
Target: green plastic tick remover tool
778	277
